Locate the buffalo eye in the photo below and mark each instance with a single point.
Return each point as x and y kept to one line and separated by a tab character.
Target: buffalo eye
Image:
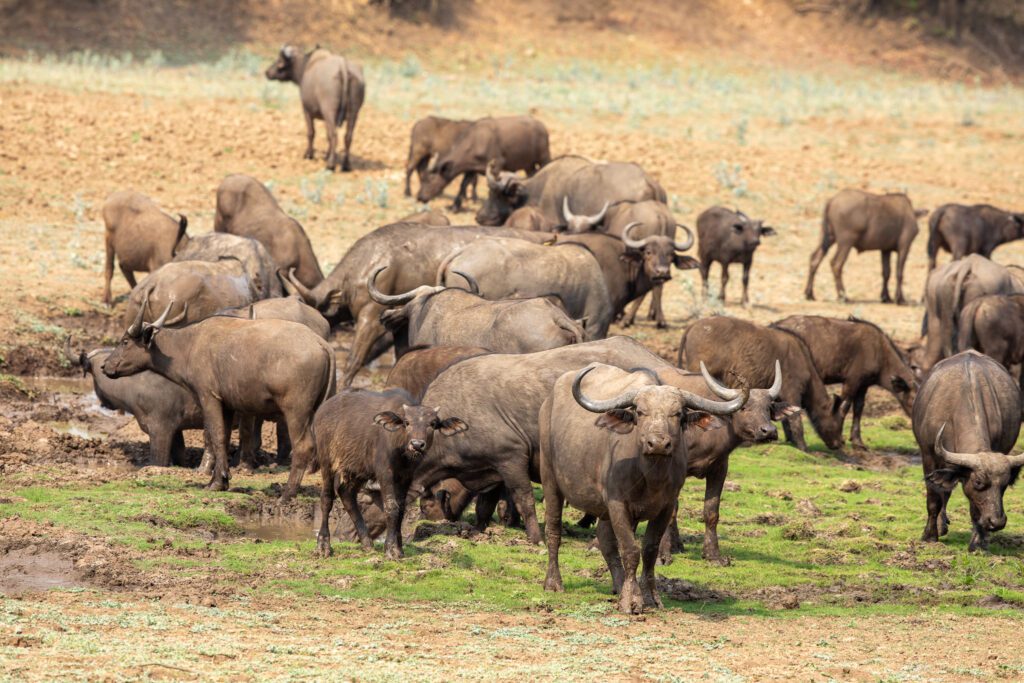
737	228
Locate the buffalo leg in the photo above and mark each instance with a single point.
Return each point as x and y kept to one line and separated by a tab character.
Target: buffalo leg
746	281
463	187
331	129
630	600
943	517
886	270
816	258
553	505
935	506
310	134
486	504
129	274
629	316
656	312
368	330
178	448
712	504
705	270
409	168
327	494
518	484
725	282
249	438
652	539
472	179
671	543
610	551
218	434
349	492
303	450
838	261
510	516
161	444
350	129
108	273
979	536
901	261
393	490
793	426
284	444
858	412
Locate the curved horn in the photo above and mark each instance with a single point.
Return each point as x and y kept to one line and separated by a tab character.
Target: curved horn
683	246
74	360
599	216
623	400
388	299
1016	460
162	320
307	295
566	211
952	457
776	388
135	329
714	407
629	241
720	390
474	286
432	166
178	318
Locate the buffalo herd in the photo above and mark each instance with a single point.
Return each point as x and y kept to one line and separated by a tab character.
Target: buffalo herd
505	375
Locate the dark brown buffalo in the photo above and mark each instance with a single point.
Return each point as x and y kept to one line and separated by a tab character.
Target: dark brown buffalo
363	435
625	467
331	88
866	222
254	257
728	236
194	289
511	143
966	419
951	287
734	348
433	217
246	208
568	186
414	252
444	316
994	325
977	229
139	234
508	268
431	137
262	368
859	355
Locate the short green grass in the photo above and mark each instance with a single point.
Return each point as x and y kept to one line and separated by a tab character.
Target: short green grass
791	521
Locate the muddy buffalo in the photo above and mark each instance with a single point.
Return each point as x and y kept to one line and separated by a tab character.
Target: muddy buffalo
727	236
739	349
431	137
977	229
245	207
139	234
331	88
994	325
859	355
254	257
966	419
866	222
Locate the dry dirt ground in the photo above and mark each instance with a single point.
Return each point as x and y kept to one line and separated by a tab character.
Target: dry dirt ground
715	126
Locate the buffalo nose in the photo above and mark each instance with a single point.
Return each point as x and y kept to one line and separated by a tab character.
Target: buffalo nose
995	523
657	444
769	432
417	444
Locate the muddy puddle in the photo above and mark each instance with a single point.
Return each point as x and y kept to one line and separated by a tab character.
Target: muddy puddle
28	570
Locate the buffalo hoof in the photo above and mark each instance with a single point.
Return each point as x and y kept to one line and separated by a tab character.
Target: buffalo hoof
218	484
554	584
858	445
886	299
631	601
346	167
900	301
309	154
662	325
719	560
394	553
650	595
809	296
664	557
323	547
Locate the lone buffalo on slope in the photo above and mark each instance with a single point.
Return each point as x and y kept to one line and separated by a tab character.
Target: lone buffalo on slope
444	316
726	237
331	88
977	229
626	466
966	418
733	348
994	325
245	207
254	257
139	234
951	287
859	355
866	222
512	143
431	137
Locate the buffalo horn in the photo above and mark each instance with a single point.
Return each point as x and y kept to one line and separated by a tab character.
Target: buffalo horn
135	329
392	299
720	390
629	241
474	286
623	400
307	295
776	388
1016	460
683	246
952	457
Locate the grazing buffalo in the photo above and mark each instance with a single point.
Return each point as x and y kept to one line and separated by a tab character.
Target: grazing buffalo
443	316
624	467
512	268
261	368
500	396
951	287
431	137
363	435
511	143
966	419
414	254
978	229
331	88
245	207
859	355
254	257
728	236
568	186
741	349
994	325
139	234
197	289
433	217
866	222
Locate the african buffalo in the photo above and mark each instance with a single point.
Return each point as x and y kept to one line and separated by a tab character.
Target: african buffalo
363	435
866	222
728	236
254	257
625	467
139	234
531	218
443	316
331	88
198	289
737	348
263	368
994	325
245	207
512	143
859	355
435	135
977	229
417	368
966	419
512	268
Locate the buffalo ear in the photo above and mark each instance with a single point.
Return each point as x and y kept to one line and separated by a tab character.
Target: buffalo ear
619	421
148	332
943	480
704	421
899	384
781	410
452	425
389	421
683	262
767	231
